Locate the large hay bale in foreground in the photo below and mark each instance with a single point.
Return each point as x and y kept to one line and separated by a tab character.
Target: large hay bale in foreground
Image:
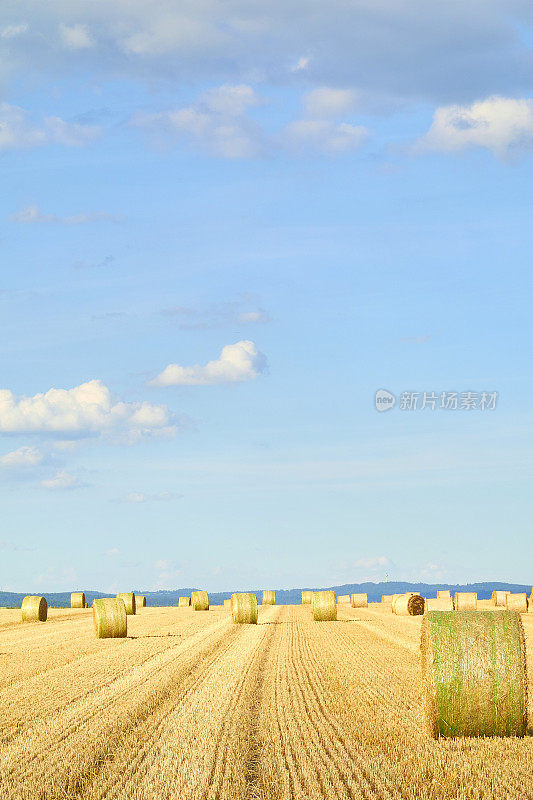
440	604
498	598
474	673
77	600
140	601
184	602
34	609
306	597
269	597
200	601
324	606
409	605
443	594
359	600
516	602
465	601
129	602
244	608
343	599
110	618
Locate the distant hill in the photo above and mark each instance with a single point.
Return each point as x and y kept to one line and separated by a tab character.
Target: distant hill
169	597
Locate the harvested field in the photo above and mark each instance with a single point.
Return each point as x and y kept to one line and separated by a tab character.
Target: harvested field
191	706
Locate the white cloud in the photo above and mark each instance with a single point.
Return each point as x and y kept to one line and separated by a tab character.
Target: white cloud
32	214
23	457
323	136
17	131
87	409
217	122
253	316
301	64
373	563
328	102
62	480
12	31
499	124
76	37
237	362
114	551
217	315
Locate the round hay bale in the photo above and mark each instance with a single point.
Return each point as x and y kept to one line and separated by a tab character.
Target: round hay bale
474	673
498	598
34	609
140	601
129	602
244	608
200	601
77	600
343	598
516	602
386	598
110	618
227	603
465	601
269	598
409	605
440	604
306	597
359	600
184	602
324	606
443	594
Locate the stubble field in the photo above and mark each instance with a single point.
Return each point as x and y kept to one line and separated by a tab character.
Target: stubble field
191	706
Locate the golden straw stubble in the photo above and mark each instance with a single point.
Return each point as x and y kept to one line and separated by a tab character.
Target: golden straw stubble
324	606
110	618
269	597
465	601
474	673
244	608
34	609
359	600
200	601
184	602
516	602
129	601
77	600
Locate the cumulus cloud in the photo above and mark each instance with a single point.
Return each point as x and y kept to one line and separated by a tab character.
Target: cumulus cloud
76	37
329	102
61	480
85	410
324	136
217	123
237	362
18	131
32	214
502	125
23	457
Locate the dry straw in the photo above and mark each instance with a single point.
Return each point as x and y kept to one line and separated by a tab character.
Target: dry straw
244	608
474	673
324	606
498	598
465	601
34	609
227	603
140	601
440	604
343	598
386	598
110	618
184	601
516	602
443	594
359	600
409	605
129	601
306	597
77	600
269	598
200	601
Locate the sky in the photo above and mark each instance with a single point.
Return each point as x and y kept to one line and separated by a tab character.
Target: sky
224	226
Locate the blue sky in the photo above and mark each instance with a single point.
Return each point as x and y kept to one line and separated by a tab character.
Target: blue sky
223	228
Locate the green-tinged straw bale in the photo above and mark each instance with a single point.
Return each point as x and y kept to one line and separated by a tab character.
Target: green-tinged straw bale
110	618
306	597
227	603
324	606
359	600
440	604
77	600
343	599
516	602
129	602
140	601
184	602
244	608
444	594
465	601
200	601
409	605
269	597
474	673
34	609
498	598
